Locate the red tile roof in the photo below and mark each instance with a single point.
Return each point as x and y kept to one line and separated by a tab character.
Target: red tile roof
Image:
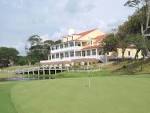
99	38
86	32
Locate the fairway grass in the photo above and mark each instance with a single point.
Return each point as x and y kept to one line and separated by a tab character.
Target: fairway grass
114	94
6	104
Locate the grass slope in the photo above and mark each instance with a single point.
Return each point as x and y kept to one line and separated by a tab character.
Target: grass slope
6	104
115	94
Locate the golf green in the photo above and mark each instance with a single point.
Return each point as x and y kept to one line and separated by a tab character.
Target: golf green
74	95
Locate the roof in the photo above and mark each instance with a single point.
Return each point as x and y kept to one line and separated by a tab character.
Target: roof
91	47
99	38
86	32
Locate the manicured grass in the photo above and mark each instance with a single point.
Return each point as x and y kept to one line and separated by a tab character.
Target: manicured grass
78	74
6	104
109	94
6	75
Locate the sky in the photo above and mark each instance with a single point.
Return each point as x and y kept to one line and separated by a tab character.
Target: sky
51	19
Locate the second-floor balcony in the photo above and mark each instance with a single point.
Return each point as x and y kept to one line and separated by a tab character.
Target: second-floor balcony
67	46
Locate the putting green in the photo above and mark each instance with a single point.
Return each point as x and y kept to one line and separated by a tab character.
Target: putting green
105	95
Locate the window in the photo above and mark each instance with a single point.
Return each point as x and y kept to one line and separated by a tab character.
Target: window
71	44
93	51
57	46
100	52
53	56
61	55
57	55
66	54
129	53
83	53
88	52
66	45
78	53
77	43
61	45
71	53
53	47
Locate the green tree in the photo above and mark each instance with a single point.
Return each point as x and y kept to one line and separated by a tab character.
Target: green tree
39	49
110	43
22	60
9	54
142	16
34	40
57	42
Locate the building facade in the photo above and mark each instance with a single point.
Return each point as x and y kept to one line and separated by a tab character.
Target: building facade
78	49
129	53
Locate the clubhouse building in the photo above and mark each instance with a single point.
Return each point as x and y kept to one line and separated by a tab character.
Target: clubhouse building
85	48
78	49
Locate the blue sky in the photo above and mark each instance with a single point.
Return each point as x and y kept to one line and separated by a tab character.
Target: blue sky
52	18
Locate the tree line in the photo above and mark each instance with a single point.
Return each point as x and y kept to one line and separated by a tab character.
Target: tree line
136	30
38	50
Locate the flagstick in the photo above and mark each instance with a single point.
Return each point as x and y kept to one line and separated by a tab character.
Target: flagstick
89	82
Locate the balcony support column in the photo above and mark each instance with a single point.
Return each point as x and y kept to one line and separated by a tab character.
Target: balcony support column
96	52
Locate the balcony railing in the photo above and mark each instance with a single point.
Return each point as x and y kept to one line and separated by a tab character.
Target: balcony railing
66	45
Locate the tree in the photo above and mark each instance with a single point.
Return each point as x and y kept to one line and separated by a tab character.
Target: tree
110	43
34	40
144	17
9	54
57	41
21	60
39	49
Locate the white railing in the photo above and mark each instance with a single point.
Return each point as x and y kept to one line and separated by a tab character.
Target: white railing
76	48
98	57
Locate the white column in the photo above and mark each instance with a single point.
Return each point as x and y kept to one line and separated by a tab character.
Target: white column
74	53
81	44
74	50
69	53
74	43
55	56
68	44
90	52
96	52
59	55
85	52
58	46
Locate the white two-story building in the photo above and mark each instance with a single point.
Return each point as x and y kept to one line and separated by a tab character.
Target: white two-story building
78	49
